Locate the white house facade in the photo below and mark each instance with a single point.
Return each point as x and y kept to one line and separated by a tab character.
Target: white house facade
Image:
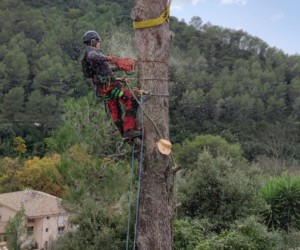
45	218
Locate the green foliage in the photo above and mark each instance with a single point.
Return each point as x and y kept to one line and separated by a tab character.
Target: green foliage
223	82
46	112
85	122
41	47
215	182
247	234
242	234
292	239
187	152
282	197
281	140
97	193
216	188
15	228
51	74
13	103
6	139
95	227
244	82
16	71
222	79
188	233
103	179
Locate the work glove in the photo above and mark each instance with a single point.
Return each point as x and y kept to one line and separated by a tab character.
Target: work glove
125	64
112	59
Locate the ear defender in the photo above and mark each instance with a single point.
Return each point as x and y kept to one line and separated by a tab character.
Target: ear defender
93	42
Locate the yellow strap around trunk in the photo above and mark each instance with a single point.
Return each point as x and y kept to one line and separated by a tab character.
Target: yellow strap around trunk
154	22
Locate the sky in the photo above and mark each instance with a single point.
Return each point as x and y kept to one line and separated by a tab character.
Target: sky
276	22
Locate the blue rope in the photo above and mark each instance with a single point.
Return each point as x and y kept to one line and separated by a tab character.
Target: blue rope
139	180
130	199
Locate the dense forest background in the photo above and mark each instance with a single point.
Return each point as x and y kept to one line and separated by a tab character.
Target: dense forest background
234	119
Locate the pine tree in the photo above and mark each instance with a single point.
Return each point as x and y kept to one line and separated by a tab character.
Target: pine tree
156	203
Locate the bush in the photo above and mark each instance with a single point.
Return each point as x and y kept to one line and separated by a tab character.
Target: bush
282	197
187	153
247	234
216	189
292	240
94	227
188	233
243	234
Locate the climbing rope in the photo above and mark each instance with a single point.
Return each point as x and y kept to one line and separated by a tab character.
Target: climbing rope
130	198
139	188
139	179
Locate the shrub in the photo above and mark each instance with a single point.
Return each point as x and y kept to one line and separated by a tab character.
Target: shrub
242	234
94	228
189	233
216	189
187	153
282	197
246	234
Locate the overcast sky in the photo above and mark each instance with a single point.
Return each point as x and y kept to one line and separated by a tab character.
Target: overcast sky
277	22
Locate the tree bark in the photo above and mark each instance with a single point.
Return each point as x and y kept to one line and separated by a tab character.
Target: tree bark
154	231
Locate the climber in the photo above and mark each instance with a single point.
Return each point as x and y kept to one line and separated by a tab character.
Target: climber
100	69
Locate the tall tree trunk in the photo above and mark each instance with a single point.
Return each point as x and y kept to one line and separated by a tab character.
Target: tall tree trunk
156	196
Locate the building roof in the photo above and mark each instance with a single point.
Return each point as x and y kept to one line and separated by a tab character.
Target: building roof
36	203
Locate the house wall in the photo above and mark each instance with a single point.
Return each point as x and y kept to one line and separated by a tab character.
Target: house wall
46	229
5	215
37	230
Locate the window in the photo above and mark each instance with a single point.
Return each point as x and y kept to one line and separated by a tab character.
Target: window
61	230
29	231
47	229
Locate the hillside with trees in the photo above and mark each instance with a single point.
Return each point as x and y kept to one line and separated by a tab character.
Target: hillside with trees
234	122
